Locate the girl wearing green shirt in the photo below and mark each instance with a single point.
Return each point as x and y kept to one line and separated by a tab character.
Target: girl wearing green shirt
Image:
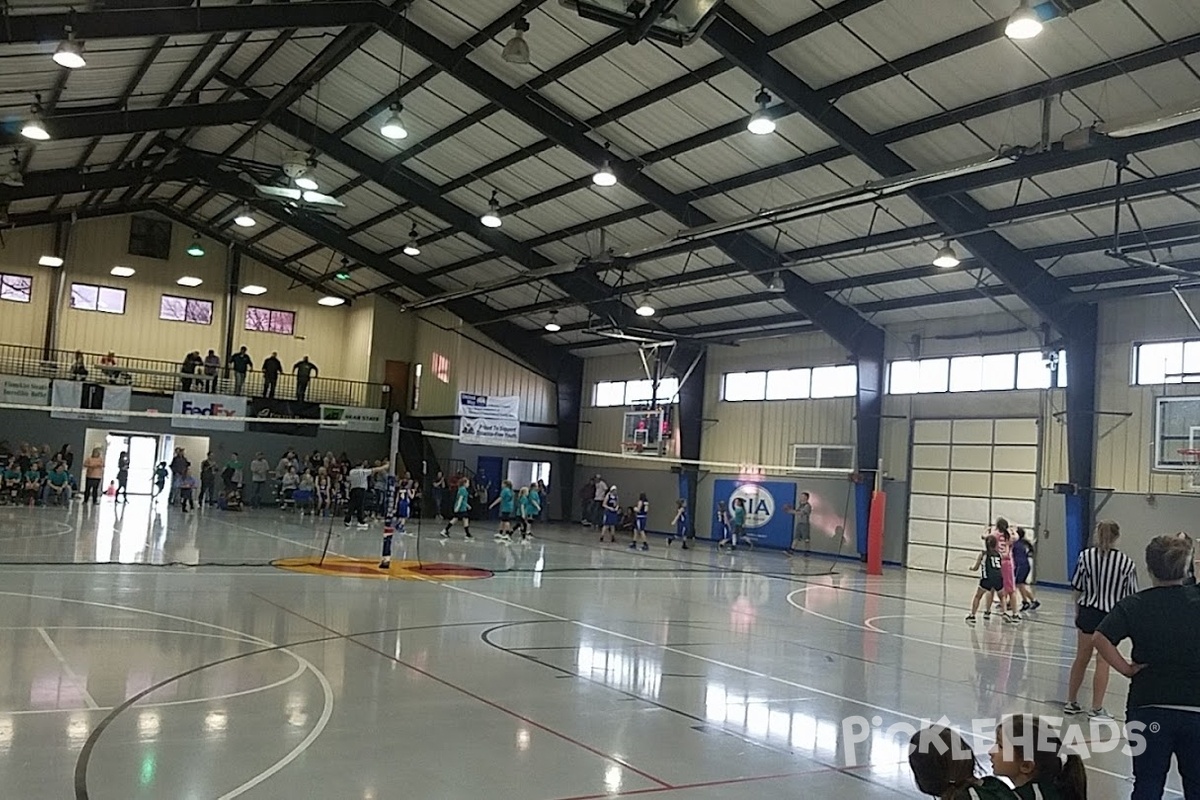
1030	754
944	767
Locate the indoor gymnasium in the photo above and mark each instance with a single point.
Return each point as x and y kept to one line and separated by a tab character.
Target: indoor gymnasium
568	399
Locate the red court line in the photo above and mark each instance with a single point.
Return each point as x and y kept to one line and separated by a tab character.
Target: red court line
702	784
662	785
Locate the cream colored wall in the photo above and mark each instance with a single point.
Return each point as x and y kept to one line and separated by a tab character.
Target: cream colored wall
25	323
762	433
392	336
603	429
1125	445
474	368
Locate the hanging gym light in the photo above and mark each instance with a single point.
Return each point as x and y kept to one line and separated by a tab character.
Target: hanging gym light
946	257
393	127
244	218
70	52
411	248
491	218
644	308
552	325
761	122
516	51
195	249
33	127
1024	22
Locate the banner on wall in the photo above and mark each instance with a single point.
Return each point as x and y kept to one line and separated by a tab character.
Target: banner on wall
484	419
27	391
766	522
272	408
208	411
362	420
93	396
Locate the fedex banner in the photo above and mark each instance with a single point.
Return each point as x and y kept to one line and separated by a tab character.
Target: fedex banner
209	411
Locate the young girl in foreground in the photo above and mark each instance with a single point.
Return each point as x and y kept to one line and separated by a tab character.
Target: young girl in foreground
944	766
1030	754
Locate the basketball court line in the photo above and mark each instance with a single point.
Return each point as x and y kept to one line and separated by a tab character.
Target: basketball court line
80	684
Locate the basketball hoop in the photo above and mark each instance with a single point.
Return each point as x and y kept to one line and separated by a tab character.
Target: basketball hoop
636	447
1191	466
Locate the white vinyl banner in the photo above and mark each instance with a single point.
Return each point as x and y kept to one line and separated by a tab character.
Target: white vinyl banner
208	411
353	418
90	396
484	419
27	391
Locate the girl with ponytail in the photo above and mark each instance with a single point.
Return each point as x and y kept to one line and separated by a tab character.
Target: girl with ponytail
1029	753
944	767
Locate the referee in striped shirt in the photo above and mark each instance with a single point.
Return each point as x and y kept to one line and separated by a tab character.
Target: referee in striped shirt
1103	577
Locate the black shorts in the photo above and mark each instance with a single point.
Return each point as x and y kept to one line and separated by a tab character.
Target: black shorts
465	516
1088	618
506	516
993	585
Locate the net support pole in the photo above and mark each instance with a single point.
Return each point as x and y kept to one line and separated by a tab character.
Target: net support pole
389	521
875	525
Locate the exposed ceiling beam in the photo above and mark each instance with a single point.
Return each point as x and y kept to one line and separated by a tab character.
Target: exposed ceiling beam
116	123
740	41
68	181
146	22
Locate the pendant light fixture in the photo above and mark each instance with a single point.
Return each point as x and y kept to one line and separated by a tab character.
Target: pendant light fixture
195	249
761	123
13	176
393	127
552	325
776	283
516	51
644	309
1024	22
34	128
244	218
411	248
491	218
605	176
946	257
70	52
343	274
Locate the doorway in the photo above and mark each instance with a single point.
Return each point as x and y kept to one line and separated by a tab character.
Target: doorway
395	375
142	449
526	473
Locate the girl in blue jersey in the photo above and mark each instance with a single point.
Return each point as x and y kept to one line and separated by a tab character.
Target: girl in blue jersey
507	500
679	523
461	510
323	488
611	507
641	514
1022	550
736	525
404	495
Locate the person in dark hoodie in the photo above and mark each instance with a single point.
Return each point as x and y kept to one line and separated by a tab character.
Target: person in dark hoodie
271	369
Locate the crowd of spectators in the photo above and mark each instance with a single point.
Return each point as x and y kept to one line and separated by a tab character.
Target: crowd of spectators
37	476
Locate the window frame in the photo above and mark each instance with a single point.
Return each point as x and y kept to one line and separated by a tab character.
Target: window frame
95	305
1168	378
827	374
271	312
187	302
668	392
7	276
1055	379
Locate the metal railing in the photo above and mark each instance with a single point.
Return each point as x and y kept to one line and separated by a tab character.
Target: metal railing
165	377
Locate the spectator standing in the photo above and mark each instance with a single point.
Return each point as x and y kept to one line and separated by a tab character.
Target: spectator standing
1164	693
601	492
179	467
212	367
93	472
358	479
586	495
439	494
122	477
108	365
208	479
242	364
190	362
305	371
79	370
259	471
231	476
271	369
187	488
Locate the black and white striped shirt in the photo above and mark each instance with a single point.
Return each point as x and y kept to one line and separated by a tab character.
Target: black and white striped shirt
1104	579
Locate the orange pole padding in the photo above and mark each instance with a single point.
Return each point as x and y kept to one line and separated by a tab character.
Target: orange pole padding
875	533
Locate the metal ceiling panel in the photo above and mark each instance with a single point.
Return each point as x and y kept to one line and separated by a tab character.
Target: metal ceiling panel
888	104
772	16
894	30
941	148
368	140
1046	231
826	58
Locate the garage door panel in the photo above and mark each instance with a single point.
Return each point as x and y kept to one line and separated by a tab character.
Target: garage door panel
931	456
927	506
973	431
1020	513
970	509
929	481
1016	431
931	432
959	562
971	457
1014	485
966	536
927	531
971	484
1016	458
925	557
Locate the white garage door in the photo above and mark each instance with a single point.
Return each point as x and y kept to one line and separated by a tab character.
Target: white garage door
964	474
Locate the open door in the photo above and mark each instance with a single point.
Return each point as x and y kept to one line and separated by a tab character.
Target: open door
396	376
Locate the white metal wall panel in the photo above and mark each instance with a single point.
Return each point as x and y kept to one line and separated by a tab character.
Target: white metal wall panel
963	474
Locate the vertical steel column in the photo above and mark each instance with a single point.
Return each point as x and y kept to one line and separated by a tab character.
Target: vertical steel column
233	280
569	389
1081	345
62	240
691	431
868	416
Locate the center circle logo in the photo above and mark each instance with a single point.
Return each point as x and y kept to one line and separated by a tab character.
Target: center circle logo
760	504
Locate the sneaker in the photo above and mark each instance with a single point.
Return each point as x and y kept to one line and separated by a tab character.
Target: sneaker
1071	709
670	541
1099	713
970	619
468	535
685	546
1025	606
384	564
1012	619
633	545
1035	605
445	534
987	615
645	546
362	526
345	524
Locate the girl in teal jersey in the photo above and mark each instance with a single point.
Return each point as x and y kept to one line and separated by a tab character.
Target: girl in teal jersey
461	511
